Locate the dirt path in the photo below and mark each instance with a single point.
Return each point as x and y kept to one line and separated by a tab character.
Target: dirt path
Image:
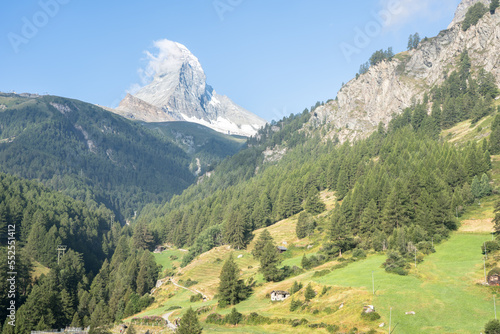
170	325
205	298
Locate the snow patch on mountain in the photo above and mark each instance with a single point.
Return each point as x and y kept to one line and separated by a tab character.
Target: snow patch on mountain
176	89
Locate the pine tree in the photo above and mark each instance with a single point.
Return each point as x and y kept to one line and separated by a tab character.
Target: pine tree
305	262
494	145
302	225
41	325
369	218
236	230
269	262
314	205
485	186
143	238
309	293
189	323
234	318
76	321
264	238
475	188
410	43
231	288
493	6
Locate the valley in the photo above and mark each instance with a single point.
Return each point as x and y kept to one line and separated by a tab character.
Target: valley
179	211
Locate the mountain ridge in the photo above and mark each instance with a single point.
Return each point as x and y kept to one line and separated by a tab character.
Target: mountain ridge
391	86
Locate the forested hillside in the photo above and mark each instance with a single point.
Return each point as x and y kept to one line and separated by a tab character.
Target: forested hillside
89	153
102	277
402	177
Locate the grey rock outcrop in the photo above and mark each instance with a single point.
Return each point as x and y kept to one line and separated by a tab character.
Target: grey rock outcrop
462	10
390	87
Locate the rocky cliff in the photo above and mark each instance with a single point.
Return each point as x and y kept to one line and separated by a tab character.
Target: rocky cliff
178	91
462	10
390	87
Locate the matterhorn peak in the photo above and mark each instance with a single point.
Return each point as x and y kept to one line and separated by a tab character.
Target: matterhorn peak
177	86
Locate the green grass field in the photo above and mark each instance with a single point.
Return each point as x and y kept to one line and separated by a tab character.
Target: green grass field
442	291
169	259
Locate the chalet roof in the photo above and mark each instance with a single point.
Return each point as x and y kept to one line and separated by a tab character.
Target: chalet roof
282	248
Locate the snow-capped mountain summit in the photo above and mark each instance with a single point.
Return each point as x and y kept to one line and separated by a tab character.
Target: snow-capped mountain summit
178	91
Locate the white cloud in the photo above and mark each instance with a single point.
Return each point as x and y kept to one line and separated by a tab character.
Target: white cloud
166	56
407	11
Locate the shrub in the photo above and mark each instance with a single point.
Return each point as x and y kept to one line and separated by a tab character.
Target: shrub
359	253
196	298
332	328
175	307
491	246
295	304
370	316
395	263
492	327
189	283
234	317
321	273
215	318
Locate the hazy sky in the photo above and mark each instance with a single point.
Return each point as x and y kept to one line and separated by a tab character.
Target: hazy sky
272	57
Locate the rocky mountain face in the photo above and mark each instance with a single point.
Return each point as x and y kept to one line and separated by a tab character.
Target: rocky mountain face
462	10
179	91
390	87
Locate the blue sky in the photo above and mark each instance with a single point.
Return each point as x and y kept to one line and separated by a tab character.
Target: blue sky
271	57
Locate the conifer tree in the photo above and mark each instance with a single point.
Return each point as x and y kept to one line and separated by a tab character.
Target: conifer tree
42	325
493	6
143	238
369	218
231	288
485	186
189	323
269	262
301	228
76	322
475	188
314	205
309	293
236	230
264	238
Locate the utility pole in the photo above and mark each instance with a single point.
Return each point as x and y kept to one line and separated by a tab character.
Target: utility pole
390	320
495	306
485	251
485	280
60	250
415	257
373	284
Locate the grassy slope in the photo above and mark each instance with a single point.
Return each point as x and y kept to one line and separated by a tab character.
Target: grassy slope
444	291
